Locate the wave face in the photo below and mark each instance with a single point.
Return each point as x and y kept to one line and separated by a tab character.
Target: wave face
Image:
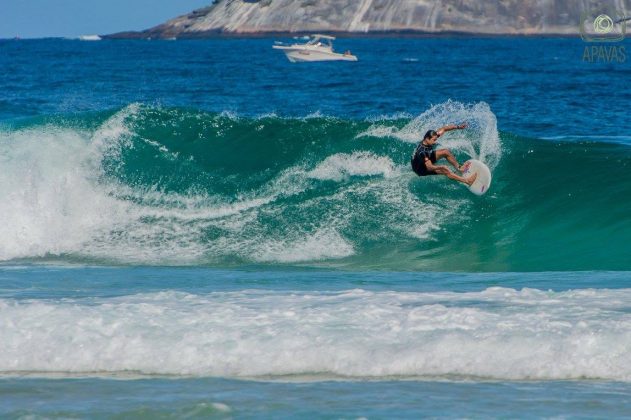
497	333
148	185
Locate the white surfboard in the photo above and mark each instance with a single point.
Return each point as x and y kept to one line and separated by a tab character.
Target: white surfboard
482	181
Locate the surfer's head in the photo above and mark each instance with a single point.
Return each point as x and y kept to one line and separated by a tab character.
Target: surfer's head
431	136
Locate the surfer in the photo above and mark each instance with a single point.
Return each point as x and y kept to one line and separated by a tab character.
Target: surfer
425	157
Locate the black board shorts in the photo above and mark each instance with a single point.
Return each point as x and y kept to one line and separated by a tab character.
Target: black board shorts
418	164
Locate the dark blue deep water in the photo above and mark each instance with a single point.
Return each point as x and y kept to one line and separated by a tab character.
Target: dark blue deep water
535	87
203	229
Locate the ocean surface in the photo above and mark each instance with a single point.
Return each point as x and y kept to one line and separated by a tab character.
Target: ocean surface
201	229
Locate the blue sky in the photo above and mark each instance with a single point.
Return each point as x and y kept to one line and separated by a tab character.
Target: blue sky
71	18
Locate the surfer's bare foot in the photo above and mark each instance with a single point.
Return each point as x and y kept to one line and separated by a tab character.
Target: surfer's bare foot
471	179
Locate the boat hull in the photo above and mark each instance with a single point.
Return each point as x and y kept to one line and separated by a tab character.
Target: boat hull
296	55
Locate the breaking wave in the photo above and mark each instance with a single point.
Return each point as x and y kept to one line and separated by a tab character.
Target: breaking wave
146	185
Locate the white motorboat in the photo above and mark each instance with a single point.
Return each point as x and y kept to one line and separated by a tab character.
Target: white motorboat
89	38
318	48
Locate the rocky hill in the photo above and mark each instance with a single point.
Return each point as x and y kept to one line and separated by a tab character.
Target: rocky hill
497	17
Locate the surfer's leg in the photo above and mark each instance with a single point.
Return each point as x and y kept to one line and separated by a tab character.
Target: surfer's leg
446	154
443	170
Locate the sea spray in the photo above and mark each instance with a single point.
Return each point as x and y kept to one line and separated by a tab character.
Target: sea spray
480	140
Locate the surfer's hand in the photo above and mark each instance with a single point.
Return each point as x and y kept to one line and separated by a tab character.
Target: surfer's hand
461	126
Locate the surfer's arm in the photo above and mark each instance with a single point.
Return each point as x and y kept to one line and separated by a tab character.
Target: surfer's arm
450	127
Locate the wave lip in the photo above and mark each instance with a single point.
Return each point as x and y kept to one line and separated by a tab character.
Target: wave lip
497	333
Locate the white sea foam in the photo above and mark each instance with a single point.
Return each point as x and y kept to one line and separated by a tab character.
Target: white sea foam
58	200
341	166
497	333
324	243
50	202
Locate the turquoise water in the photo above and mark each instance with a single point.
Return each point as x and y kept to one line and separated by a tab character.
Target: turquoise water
185	234
197	398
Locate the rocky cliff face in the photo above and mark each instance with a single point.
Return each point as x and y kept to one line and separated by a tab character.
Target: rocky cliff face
248	17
